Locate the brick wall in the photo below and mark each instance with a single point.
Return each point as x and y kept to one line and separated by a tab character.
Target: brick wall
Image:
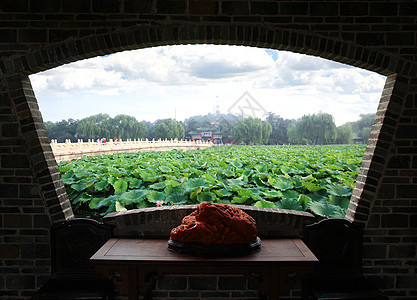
376	35
24	247
26	190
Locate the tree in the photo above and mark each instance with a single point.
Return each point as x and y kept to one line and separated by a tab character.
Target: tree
149	127
180	131
226	124
127	127
279	129
102	125
190	126
365	120
240	132
168	129
317	129
251	130
362	127
93	127
62	130
344	134
266	132
364	134
294	137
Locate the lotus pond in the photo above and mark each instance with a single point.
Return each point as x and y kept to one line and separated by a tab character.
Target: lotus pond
318	179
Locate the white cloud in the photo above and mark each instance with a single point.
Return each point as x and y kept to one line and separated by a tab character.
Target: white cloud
156	82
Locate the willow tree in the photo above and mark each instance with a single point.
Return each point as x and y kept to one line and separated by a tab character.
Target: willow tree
127	127
344	134
94	127
252	131
316	129
102	125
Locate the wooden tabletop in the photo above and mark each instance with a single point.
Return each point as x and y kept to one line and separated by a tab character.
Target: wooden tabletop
156	250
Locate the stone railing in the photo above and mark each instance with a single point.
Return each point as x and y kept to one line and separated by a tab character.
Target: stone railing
67	151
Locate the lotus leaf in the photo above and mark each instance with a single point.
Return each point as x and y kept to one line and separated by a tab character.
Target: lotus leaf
320	178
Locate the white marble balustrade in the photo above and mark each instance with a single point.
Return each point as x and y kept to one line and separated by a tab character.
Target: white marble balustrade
68	150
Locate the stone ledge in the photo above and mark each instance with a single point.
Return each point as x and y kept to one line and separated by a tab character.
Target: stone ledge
157	222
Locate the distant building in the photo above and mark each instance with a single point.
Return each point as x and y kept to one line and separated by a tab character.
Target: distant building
207	135
357	140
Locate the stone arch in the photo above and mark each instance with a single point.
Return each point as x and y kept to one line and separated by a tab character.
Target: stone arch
256	35
16	72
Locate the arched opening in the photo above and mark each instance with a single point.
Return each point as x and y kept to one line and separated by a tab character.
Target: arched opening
147	36
201	68
37	144
375	35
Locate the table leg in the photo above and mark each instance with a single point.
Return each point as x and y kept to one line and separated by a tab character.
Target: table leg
118	274
133	292
267	282
261	280
146	281
274	285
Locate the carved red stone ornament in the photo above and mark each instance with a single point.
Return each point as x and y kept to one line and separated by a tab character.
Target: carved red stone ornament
216	223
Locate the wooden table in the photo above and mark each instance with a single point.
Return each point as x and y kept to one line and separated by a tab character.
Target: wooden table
134	265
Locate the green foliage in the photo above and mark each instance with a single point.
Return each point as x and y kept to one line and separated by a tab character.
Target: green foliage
252	131
289	203
121	126
319	179
102	125
316	129
362	127
279	126
133	196
96	127
310	129
364	134
327	210
266	132
344	134
168	129
62	130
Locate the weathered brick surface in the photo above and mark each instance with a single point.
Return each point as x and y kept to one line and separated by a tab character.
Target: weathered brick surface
380	36
205	287
158	221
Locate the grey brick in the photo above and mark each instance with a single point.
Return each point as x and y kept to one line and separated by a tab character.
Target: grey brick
20	282
202	283
402	251
232	283
169	282
409	281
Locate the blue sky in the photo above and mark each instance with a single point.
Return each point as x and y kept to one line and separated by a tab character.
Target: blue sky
186	80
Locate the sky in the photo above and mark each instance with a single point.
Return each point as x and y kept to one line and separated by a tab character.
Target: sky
185	80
